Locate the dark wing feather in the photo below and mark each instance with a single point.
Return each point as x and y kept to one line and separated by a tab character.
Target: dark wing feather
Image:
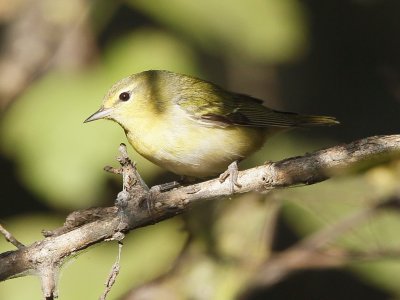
209	103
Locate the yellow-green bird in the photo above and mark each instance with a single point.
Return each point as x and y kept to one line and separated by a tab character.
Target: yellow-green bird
192	127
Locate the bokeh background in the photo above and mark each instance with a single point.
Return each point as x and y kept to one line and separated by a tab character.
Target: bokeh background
333	57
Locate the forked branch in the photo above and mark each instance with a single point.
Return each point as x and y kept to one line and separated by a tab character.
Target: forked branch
137	206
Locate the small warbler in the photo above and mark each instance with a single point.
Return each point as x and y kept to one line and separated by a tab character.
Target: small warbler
192	127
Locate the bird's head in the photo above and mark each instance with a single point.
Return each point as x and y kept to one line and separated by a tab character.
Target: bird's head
136	96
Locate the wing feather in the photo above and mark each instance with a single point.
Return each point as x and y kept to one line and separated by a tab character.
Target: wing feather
209	103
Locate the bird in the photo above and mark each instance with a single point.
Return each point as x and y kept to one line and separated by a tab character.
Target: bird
193	127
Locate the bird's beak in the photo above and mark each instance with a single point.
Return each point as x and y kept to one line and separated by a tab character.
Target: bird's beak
100	114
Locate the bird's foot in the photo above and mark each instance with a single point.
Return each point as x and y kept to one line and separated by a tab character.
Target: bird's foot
155	191
231	172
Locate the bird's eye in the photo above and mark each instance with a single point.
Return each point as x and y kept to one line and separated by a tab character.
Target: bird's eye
124	96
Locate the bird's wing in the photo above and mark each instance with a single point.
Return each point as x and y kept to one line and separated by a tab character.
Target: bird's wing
210	104
214	106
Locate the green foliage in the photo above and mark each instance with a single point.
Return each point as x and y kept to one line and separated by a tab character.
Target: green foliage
260	30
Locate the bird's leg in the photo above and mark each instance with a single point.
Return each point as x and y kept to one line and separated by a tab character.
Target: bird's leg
231	172
155	191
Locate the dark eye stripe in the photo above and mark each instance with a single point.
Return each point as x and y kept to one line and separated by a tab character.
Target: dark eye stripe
125	96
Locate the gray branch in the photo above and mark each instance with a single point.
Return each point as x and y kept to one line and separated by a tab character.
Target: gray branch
137	206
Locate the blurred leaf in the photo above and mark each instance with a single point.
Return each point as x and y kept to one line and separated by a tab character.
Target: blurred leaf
147	49
59	157
241	231
383	273
271	31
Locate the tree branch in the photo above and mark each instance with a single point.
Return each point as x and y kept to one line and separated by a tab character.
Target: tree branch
45	257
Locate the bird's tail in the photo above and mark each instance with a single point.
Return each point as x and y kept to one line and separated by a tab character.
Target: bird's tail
311	121
289	119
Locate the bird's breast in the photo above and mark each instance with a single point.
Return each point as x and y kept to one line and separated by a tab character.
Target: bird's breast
187	147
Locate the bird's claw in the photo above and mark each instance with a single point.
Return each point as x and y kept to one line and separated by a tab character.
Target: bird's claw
232	172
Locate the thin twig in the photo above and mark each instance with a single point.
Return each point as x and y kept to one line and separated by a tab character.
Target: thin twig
113	274
10	238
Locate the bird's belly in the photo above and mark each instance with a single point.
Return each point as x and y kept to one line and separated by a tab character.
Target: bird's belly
196	151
